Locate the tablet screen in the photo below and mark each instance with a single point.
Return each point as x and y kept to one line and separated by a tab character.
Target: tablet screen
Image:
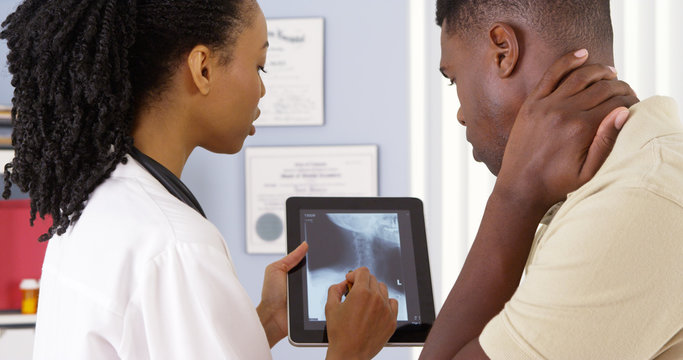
341	241
386	235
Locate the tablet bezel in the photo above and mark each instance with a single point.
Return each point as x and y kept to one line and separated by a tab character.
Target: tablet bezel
405	335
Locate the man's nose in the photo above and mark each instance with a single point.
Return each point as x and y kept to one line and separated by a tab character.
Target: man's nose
461	117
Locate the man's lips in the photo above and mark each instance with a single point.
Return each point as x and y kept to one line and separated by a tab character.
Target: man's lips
474	155
474	151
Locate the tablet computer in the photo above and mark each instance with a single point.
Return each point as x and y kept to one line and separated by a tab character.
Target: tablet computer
386	235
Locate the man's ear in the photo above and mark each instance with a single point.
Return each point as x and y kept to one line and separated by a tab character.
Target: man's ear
504	47
200	68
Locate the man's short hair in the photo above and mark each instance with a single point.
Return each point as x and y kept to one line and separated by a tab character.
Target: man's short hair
564	24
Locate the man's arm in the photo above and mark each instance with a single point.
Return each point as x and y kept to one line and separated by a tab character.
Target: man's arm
489	276
558	142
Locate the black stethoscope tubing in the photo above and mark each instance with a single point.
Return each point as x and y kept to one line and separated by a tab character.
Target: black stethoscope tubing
168	180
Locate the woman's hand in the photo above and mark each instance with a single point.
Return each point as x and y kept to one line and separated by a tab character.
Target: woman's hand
564	131
359	327
272	310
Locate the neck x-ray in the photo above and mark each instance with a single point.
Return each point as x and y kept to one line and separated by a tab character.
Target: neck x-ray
341	242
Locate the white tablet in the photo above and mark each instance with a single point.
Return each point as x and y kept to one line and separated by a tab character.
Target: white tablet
386	235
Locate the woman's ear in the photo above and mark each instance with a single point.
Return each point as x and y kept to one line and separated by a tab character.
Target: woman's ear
504	48
200	68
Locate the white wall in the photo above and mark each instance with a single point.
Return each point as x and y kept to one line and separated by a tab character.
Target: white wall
647	47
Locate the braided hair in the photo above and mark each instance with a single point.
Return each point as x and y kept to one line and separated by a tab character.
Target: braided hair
81	71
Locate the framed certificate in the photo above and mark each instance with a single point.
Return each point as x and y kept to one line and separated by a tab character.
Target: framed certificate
274	174
294	78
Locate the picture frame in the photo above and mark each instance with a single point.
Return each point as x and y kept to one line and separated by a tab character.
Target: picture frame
275	173
294	77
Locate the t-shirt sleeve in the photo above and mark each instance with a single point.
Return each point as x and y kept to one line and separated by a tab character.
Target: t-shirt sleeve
604	283
190	305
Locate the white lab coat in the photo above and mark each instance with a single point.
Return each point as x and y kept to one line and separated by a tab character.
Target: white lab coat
142	275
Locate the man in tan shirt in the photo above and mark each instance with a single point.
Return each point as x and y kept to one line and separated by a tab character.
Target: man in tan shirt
604	273
604	279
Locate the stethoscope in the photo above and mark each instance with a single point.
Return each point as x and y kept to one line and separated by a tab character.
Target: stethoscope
167	179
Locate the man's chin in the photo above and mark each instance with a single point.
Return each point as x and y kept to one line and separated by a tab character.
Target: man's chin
474	155
493	166
493	169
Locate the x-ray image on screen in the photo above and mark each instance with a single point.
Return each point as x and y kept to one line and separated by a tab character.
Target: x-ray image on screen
340	242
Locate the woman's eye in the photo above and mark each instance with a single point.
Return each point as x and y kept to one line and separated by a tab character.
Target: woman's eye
262	69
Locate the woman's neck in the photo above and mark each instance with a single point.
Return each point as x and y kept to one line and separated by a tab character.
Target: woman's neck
160	133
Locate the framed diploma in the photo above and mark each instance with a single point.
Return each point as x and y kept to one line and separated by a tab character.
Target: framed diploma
274	174
294	78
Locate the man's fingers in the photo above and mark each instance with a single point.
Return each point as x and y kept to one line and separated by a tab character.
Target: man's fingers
582	78
590	120
597	114
601	91
295	257
557	71
603	143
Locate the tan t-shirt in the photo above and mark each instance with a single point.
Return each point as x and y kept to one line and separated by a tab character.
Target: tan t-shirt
604	279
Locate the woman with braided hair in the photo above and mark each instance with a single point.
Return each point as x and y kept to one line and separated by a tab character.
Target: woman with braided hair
110	99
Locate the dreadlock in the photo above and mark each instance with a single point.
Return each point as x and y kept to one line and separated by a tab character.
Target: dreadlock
81	70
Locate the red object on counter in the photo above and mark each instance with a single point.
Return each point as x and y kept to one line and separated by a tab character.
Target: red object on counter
21	255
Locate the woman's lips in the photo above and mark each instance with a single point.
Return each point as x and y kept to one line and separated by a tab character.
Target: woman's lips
252	131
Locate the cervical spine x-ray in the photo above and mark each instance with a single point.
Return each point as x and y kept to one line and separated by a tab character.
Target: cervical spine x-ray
339	242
